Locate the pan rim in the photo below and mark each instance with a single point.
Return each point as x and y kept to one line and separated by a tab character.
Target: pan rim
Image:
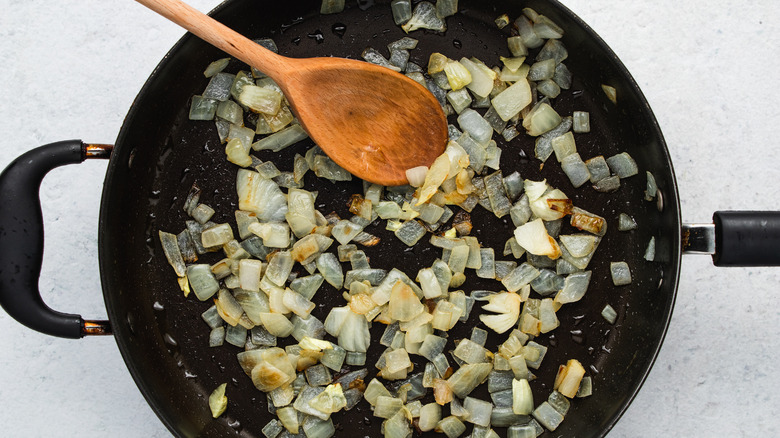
121	329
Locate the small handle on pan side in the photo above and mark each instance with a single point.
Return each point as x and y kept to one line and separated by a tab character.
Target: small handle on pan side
737	238
21	239
747	238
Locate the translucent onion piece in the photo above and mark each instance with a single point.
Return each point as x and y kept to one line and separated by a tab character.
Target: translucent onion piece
402	11
430	415
479	411
607	185
261	196
279	267
581	121
229	309
509	102
217	337
446	8
534	354
457	74
386	406
553	50
202	108
451	426
482	77
416	176
280	140
374	390
170	247
424	17
260	99
219	87
559	402
579	245
309	248
562	76
517	46
434	178
398	425
468	377
626	222
267	376
202	213
373	56
318	375
335	320
470	352
304	397
534	238
623	165
202	281
520	277
548	416
541	119
218	401
330	268
586	387
410	232
621	274
541	70
526	31
460	100
273	428
563	146
297	303
547	316
278	325
231	112
354	335
217	235
610	92
331	7
504	417
650	251
478	128
522	398
404	304
288	416
568	380
574	287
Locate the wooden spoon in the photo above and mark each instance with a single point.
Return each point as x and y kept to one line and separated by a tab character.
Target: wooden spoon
370	120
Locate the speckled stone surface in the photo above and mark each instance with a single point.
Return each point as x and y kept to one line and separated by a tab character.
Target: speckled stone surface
708	68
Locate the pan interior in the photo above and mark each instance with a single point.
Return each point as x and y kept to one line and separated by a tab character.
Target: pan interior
160	153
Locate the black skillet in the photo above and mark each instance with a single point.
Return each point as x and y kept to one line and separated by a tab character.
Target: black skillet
160	154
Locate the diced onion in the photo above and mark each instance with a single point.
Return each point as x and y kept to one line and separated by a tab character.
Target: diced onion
509	102
416	176
260	99
424	17
621	274
218	401
534	238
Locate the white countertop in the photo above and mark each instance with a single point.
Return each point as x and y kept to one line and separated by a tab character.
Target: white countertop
709	69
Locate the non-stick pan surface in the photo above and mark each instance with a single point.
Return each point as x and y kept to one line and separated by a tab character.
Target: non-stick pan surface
161	154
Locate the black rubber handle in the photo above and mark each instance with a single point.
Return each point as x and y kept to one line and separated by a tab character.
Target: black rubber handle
747	238
21	238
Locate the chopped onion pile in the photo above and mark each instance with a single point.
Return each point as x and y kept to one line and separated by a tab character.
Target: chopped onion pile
282	249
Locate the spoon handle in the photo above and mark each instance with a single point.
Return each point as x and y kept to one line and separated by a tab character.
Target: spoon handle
220	36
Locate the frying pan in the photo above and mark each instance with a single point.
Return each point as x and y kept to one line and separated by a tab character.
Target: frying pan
206	58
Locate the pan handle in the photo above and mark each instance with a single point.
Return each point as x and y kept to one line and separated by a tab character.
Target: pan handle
21	239
737	238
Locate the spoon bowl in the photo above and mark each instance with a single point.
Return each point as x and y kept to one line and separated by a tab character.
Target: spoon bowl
370	120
